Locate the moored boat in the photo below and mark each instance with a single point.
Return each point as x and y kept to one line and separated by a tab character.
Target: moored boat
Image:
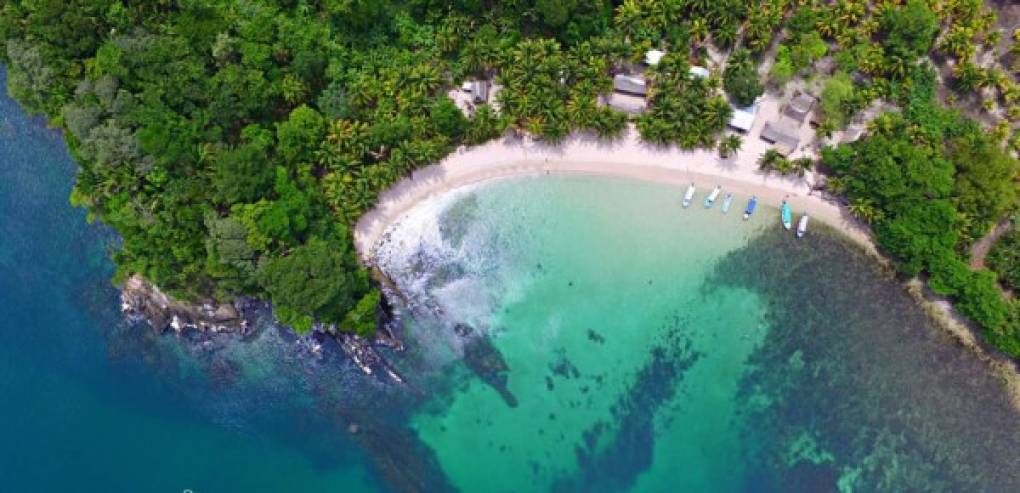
751	204
802	226
689	196
726	203
710	200
786	214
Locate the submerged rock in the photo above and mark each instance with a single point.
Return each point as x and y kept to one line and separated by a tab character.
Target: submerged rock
485	361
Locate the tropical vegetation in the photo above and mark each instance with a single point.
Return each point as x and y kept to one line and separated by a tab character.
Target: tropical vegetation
233	145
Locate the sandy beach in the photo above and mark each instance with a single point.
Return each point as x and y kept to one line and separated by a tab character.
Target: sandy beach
627	157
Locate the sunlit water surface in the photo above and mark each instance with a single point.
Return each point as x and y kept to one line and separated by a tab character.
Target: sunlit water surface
646	347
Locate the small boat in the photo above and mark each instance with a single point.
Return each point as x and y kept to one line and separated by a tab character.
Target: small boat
689	196
726	203
802	226
786	214
751	204
710	200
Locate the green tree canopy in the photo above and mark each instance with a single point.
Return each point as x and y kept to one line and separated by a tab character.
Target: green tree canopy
315	281
741	79
243	174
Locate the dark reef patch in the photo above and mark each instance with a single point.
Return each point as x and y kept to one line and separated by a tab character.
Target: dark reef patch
623	456
855	384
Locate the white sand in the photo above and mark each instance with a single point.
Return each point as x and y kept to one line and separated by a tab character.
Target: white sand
631	158
628	157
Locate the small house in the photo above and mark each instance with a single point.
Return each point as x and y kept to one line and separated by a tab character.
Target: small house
634	105
478	89
743	118
630	84
782	133
700	72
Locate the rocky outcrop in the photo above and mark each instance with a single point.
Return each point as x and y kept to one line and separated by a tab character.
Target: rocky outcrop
141	298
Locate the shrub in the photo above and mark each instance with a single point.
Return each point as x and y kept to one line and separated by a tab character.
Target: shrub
836	92
741	79
782	70
1004	259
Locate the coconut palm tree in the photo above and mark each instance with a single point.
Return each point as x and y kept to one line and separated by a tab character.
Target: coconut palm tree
699	30
865	210
802	165
725	35
770	160
836	184
958	42
717	113
968	76
730	145
629	17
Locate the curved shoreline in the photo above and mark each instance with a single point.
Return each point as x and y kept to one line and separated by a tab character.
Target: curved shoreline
626	158
630	158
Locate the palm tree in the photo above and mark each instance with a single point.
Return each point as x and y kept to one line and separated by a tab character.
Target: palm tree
699	30
865	210
628	16
770	160
836	184
730	145
802	165
968	76
717	113
725	35
958	43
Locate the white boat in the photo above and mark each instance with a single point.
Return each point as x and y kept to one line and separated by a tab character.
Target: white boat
710	200
689	196
802	226
726	203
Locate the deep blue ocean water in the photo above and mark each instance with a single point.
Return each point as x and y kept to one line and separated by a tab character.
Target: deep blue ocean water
94	403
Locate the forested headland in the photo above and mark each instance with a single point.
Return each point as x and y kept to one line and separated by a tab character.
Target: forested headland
233	144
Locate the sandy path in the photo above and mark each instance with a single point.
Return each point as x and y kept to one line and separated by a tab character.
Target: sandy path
628	158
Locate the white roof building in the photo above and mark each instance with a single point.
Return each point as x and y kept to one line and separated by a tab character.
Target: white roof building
697	71
743	118
652	57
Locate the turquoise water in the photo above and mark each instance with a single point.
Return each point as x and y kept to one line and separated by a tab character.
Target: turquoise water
564	333
645	347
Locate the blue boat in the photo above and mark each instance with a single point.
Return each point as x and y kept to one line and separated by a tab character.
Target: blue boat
751	204
726	203
786	215
710	200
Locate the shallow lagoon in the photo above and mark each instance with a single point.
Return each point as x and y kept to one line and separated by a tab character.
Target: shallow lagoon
648	347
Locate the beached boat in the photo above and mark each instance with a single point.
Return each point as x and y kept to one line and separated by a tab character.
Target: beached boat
786	214
751	204
802	226
726	203
689	196
710	200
